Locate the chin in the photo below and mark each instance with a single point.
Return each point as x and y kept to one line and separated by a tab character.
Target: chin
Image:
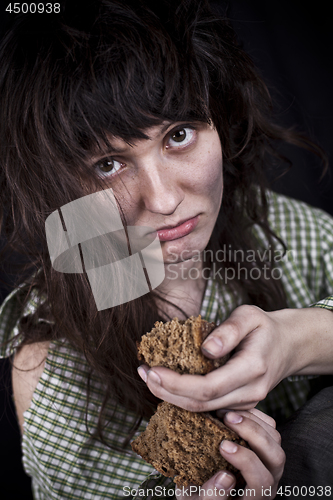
177	251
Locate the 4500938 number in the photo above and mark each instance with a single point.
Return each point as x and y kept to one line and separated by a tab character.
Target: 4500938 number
304	491
33	8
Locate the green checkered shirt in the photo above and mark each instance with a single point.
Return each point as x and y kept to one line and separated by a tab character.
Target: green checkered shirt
58	451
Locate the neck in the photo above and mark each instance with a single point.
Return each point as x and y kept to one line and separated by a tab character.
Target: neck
183	286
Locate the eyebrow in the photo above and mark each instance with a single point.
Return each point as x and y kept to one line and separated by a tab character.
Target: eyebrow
113	149
166	126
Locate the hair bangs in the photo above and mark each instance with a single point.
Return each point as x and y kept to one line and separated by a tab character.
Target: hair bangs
109	72
137	76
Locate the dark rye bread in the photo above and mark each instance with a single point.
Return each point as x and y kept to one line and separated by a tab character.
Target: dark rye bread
185	445
177	345
179	443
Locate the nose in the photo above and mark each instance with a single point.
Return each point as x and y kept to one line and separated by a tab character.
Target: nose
160	187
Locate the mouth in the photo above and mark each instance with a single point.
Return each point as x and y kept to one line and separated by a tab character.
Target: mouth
169	233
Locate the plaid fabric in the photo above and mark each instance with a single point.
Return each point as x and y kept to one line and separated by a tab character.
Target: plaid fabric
59	453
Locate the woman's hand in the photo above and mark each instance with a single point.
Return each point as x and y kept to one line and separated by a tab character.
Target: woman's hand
269	346
261	467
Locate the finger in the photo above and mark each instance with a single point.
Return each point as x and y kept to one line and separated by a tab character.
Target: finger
254	411
237	373
264	445
263	416
239	399
243	320
236	400
253	470
233	417
142	371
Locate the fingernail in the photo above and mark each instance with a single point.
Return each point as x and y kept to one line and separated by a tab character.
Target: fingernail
233	418
143	374
153	377
228	446
213	346
224	480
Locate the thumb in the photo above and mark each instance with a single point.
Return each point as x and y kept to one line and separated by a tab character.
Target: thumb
243	320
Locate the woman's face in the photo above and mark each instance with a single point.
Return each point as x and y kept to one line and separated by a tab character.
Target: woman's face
171	182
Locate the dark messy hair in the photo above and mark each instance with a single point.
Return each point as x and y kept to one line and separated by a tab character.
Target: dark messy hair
69	80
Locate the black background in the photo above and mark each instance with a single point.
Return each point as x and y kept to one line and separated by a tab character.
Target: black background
291	44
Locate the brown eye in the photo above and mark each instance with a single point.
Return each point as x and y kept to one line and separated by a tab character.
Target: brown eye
179	136
107	166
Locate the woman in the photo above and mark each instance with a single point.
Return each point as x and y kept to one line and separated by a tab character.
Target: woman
160	105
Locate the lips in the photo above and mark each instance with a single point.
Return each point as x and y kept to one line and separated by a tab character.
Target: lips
175	232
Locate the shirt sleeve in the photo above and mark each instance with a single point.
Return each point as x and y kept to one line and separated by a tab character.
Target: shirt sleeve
325	223
10	313
325	303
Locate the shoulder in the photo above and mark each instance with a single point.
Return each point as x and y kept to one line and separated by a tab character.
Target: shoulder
281	206
296	221
21	302
28	366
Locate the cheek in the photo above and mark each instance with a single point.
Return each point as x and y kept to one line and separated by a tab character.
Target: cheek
206	175
215	175
214	189
128	196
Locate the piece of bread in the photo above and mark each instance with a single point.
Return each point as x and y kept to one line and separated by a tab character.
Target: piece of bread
177	345
185	445
179	443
